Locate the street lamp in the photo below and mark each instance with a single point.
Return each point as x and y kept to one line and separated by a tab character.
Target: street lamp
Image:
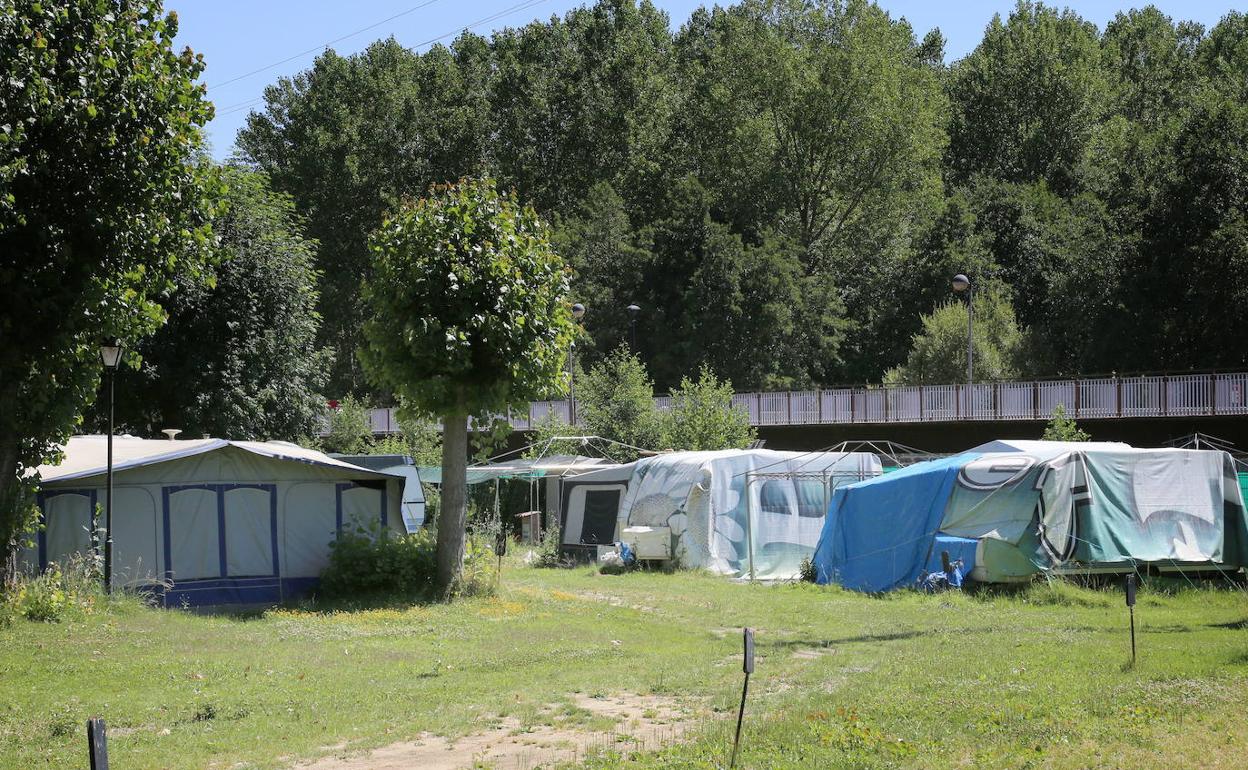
633	310
962	283
578	312
110	356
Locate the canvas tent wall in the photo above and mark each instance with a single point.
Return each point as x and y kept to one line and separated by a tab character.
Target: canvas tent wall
1011	509
734	512
209	522
413	505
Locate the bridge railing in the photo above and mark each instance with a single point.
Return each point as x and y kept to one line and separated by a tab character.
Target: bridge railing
1182	395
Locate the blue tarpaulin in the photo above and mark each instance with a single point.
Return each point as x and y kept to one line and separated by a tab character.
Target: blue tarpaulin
881	540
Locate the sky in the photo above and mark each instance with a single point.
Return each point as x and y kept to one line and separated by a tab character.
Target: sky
249	45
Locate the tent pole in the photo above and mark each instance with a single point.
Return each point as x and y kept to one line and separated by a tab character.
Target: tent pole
749	524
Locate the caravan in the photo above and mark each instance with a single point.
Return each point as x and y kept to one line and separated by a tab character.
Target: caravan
738	512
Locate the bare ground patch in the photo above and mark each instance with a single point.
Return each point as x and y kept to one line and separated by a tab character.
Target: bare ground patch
638	723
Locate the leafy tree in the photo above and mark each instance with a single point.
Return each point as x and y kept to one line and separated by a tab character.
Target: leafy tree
349	140
938	354
420	440
102	204
350	428
615	400
244	334
1027	98
1063	428
470	315
702	416
547	438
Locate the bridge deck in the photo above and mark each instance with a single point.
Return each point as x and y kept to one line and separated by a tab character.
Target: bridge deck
1185	395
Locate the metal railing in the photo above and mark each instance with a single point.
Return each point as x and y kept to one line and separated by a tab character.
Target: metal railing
1181	395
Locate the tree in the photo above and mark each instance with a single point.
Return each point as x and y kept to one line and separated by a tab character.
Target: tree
938	352
1026	99
615	400
246	336
351	138
102	203
350	428
469	315
703	417
1063	428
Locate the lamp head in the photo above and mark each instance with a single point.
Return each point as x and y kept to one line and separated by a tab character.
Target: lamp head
578	310
961	282
110	353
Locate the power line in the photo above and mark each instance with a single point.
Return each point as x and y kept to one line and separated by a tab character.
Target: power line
521	6
360	31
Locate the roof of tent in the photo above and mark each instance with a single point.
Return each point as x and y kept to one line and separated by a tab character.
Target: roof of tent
1034	445
535	468
86	456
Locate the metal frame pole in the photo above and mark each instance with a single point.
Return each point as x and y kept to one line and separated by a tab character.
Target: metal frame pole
108	494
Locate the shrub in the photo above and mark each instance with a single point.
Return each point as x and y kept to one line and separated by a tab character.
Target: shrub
58	593
548	550
807	572
371	562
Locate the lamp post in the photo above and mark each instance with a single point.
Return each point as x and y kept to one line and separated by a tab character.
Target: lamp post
633	310
963	284
110	356
578	312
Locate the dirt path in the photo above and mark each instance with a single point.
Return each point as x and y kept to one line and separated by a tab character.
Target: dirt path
641	722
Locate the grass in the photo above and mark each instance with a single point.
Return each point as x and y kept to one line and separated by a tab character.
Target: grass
1036	678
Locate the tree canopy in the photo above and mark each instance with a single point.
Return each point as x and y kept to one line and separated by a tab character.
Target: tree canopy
103	204
785	187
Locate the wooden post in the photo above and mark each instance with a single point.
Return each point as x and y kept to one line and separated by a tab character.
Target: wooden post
1118	395
1213	394
1165	396
97	744
819	405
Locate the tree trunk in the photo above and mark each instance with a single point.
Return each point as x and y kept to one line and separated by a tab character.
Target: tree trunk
453	514
11	510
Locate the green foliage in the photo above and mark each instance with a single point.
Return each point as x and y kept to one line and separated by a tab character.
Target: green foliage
103	203
244	333
615	400
59	593
543	438
469	303
350	429
419	439
799	180
370	563
548	554
702	416
1063	428
938	354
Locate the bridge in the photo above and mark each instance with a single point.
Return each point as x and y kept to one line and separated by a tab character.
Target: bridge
1178	399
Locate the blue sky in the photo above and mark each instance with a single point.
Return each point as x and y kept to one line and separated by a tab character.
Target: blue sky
237	38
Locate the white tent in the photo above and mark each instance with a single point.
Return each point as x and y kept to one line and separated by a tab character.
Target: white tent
209	520
737	512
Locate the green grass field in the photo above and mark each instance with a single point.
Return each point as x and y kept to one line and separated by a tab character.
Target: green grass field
1035	679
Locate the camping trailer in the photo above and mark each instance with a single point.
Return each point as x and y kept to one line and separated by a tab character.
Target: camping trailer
739	512
209	521
1010	509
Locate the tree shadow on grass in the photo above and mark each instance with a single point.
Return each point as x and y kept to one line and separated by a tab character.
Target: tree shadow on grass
1234	625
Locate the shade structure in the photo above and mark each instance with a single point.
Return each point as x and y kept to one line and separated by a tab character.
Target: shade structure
1032	506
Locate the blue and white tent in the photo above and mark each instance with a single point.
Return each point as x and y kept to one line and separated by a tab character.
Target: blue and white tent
1009	509
209	521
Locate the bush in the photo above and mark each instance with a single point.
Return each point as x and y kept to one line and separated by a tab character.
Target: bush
370	562
548	550
60	592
